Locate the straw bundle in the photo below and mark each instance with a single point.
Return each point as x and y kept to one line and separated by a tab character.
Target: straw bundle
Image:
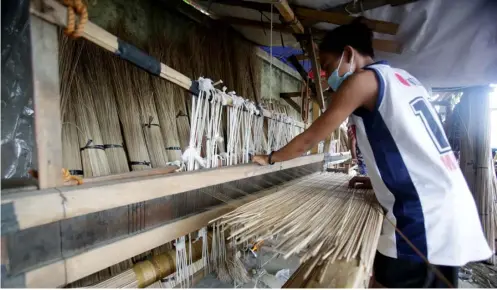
318	217
163	92
71	156
99	84
129	115
149	119
90	140
182	114
69	57
475	159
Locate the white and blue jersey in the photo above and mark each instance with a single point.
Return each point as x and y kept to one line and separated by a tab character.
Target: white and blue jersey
415	175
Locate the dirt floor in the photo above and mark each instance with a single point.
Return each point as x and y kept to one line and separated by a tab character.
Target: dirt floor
478	275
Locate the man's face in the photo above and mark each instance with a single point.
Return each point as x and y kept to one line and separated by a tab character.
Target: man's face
329	62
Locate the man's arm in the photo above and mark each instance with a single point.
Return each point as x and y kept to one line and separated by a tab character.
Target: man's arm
360	89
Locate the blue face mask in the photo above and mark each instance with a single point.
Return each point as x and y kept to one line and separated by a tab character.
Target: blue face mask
335	80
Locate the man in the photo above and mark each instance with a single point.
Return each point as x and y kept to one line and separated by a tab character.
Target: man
410	164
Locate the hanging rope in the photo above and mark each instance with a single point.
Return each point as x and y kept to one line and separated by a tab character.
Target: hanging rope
75	7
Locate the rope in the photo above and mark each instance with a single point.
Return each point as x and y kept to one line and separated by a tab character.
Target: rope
271	58
68	177
74	7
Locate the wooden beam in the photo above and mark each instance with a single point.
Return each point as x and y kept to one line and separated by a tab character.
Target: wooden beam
316	69
297	95
384	45
247	4
316	112
254	23
356	7
34	208
311	16
46	99
76	267
292	104
289	16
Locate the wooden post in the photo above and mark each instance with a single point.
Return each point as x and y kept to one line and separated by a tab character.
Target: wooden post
316	112
46	99
316	70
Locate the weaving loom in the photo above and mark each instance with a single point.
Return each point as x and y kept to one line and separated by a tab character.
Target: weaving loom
121	219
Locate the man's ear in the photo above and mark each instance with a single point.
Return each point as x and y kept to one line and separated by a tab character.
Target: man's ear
348	52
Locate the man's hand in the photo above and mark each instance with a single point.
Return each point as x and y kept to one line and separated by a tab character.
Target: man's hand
360	182
261	159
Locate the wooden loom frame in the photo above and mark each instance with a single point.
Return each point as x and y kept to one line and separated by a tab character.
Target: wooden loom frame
54	202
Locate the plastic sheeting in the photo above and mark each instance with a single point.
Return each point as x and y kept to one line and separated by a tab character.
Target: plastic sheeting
17	141
446	43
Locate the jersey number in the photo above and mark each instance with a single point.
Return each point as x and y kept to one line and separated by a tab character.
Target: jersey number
421	109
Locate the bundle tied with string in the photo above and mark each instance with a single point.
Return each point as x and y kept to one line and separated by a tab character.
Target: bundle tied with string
129	115
149	119
70	52
205	122
93	154
99	86
164	96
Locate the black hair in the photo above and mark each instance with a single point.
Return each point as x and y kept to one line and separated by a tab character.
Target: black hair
356	34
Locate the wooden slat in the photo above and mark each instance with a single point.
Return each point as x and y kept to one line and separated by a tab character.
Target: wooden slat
36	208
297	94
378	44
289	16
316	69
316	112
79	266
292	104
254	23
311	16
46	101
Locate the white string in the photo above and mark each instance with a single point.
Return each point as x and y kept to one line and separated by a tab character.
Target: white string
271	58
181	262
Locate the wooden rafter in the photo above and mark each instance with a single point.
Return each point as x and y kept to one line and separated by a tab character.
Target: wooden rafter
297	94
311	16
255	23
316	70
355	7
292	104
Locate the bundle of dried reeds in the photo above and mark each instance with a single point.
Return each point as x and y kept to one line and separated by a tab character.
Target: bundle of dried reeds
149	119
129	114
475	158
99	84
163	92
319	218
69	57
92	150
180	105
71	156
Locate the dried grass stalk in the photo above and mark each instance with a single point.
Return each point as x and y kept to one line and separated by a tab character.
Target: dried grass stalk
70	52
71	156
149	119
129	115
163	92
94	159
99	84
